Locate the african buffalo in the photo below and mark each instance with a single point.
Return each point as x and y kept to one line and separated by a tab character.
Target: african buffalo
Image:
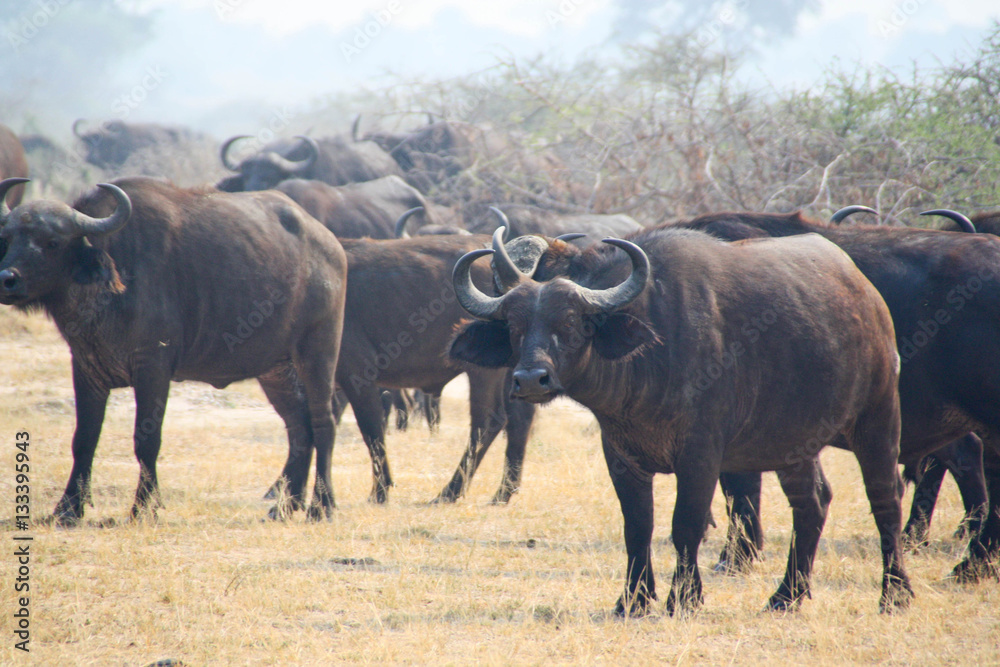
400	314
523	219
13	164
943	291
370	209
631	335
200	286
114	142
332	160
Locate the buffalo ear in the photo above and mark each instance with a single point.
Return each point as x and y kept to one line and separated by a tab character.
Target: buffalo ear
619	335
93	265
483	344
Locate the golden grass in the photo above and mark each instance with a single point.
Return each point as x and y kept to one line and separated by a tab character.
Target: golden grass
210	583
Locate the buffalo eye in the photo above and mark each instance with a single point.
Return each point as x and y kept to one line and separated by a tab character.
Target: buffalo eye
53	244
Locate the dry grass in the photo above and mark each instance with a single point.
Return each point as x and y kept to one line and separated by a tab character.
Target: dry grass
210	583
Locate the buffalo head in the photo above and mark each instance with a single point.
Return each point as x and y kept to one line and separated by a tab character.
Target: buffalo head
47	247
547	331
276	162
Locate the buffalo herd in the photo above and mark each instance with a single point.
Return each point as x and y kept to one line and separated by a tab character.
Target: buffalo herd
342	270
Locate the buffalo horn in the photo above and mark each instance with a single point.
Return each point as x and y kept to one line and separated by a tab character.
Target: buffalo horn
960	219
88	226
507	274
224	152
76	127
503	221
566	238
837	217
354	127
401	223
475	302
6	185
613	298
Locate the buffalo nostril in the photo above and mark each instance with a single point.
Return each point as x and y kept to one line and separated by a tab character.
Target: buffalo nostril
544	380
9	280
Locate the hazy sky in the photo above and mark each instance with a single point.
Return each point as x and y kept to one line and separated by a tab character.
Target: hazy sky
213	63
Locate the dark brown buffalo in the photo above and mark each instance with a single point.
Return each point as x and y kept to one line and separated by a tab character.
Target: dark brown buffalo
523	219
332	160
150	283
13	164
943	291
370	209
112	143
441	150
400	315
631	334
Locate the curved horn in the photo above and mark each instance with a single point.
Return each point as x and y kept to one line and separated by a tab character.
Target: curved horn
76	127
613	298
850	210
507	275
5	185
88	226
503	221
354	127
224	151
962	221
430	118
303	166
566	238
401	223
475	302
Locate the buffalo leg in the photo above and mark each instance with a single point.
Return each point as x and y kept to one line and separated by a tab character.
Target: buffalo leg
634	488
697	475
152	385
316	366
875	443
285	392
520	415
431	406
966	466
983	547
91	402
809	494
928	477
745	536
366	401
487	417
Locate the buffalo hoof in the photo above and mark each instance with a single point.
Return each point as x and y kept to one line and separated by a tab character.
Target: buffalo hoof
783	603
974	570
378	497
272	493
896	596
317	513
444	497
685	602
279	513
501	497
634	606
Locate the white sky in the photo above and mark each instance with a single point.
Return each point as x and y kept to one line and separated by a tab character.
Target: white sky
279	52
